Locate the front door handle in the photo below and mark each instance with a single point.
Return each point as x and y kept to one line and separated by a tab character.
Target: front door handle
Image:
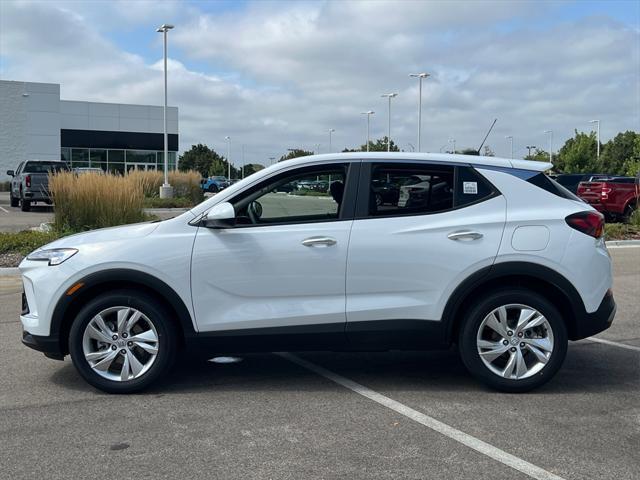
464	235
313	241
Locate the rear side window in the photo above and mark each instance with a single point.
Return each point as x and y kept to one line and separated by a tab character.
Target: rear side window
471	187
44	167
410	189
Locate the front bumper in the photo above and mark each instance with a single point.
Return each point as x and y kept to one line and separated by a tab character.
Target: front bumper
598	321
50	346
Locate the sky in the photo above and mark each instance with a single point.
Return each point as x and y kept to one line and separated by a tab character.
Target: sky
279	75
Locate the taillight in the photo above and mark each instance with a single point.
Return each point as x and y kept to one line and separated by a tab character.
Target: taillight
27	181
590	223
605	193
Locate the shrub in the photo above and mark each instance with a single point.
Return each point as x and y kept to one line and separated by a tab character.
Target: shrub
25	242
5	186
84	202
187	185
149	180
635	218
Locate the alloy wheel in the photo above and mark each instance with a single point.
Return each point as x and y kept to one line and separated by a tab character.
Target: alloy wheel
120	343
515	341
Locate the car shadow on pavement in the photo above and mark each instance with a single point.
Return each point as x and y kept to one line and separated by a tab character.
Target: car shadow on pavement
589	368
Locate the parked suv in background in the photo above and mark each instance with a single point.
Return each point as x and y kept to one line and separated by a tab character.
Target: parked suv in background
30	182
215	184
493	261
616	197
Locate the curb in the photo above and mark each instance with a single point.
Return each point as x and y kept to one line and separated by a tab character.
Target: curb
622	243
9	272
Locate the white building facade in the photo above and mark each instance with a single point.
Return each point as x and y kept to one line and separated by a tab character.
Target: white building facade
35	124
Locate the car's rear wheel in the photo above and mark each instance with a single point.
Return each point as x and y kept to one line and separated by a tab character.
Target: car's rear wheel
25	205
212	189
514	340
122	342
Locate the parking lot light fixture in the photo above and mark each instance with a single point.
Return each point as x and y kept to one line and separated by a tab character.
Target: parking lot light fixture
510	138
228	139
165	190
529	148
331	130
389	96
368	114
597	122
420	77
550	132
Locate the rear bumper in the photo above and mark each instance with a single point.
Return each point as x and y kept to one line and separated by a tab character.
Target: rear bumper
598	321
50	346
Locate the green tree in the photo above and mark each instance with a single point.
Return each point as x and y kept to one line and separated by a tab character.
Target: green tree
539	155
295	153
467	151
252	168
619	152
578	154
380	145
201	158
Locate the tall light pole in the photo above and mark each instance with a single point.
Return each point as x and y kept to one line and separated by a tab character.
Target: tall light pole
550	132
597	122
453	140
510	138
331	130
389	96
243	160
165	190
368	114
228	139
271	159
529	148
420	76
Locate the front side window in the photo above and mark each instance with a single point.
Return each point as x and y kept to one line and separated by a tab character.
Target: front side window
410	189
312	194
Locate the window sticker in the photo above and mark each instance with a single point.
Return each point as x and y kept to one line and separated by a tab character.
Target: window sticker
470	188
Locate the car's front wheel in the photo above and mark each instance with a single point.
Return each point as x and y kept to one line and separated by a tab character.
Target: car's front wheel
13	201
513	340
122	342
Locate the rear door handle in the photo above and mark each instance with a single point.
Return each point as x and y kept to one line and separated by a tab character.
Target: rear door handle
314	241
464	235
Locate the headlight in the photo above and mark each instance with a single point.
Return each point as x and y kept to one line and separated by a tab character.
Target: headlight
54	256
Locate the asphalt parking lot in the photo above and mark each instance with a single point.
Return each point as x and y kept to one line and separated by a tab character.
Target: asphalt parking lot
381	415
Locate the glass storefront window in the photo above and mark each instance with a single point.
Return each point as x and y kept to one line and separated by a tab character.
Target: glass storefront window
116	168
116	156
98	159
141	156
65	154
79	157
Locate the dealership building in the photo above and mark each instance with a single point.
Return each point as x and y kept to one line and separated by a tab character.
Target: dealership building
35	124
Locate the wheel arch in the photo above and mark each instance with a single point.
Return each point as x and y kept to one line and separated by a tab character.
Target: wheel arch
68	306
535	277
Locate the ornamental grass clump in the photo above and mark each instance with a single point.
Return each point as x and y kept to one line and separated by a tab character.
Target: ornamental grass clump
89	201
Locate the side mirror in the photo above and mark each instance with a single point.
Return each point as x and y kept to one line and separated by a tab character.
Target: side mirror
222	215
11	173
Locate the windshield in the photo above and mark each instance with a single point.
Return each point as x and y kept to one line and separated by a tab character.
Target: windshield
44	167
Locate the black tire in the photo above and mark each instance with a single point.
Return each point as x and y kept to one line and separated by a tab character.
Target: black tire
15	202
481	309
167	340
628	212
212	189
25	205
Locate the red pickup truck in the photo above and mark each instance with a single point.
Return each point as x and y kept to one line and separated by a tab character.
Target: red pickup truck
616	197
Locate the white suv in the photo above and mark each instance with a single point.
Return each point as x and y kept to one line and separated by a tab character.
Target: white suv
494	257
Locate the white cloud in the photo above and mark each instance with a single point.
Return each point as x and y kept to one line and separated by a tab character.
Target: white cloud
279	75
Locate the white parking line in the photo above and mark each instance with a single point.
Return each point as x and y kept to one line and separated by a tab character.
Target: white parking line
472	442
4	209
614	344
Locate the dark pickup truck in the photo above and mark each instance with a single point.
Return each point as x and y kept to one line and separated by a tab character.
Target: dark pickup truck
30	182
615	197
